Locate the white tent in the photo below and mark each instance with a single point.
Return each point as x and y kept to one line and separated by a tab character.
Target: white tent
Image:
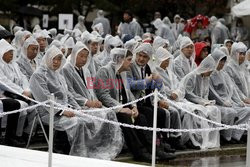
242	9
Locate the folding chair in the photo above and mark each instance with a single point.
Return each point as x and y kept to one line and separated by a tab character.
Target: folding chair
37	117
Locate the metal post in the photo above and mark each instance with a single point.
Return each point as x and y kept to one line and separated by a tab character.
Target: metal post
51	127
154	126
248	145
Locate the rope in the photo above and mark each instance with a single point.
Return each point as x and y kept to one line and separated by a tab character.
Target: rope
23	109
158	129
200	117
83	113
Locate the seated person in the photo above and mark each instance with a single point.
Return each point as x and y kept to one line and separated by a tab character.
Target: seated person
27	61
84	133
223	90
143	81
236	69
112	90
195	88
13	80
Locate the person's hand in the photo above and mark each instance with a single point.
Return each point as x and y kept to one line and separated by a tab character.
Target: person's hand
126	111
242	104
97	104
227	104
149	78
247	101
27	94
156	77
173	96
68	113
89	103
135	112
163	104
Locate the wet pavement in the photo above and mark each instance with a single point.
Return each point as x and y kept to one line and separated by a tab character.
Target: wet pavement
215	161
218	161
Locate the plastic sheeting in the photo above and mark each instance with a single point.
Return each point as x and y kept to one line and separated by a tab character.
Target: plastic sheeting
242	9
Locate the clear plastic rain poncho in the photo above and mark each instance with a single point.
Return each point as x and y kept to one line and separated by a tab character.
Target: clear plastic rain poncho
110	97
167	21
228	114
80	91
131	45
53	32
219	34
94	63
110	136
105	22
11	75
164	31
237	71
225	51
170	80
222	89
148	49
17	28
183	65
99	28
88	137
60	46
37	28
70	43
80	25
41	34
248	66
85	37
26	65
110	42
160	42
19	39
175	49
195	88
76	33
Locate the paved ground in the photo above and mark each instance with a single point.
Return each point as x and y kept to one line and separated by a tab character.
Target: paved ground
226	156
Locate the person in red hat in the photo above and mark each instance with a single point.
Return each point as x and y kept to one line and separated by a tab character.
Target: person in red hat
201	52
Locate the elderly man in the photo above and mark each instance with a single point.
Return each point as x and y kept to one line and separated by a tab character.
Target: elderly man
185	62
112	90
142	82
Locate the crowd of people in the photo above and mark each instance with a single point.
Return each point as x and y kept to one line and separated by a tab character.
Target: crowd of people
196	64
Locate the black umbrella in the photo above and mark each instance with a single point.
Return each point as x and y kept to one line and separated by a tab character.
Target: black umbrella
30	11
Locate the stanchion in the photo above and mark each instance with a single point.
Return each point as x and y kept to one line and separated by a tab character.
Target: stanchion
154	126
248	145
51	127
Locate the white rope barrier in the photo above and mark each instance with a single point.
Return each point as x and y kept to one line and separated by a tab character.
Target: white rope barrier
200	117
24	109
107	109
12	90
81	114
